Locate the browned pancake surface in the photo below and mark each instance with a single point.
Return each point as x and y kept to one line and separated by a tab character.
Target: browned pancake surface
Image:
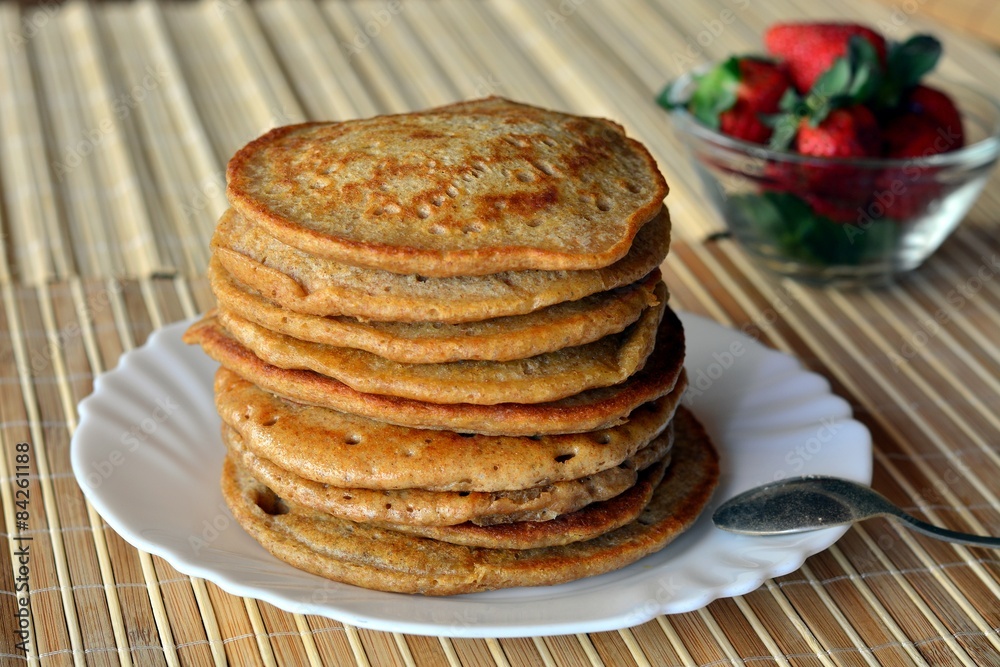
420	507
388	560
346	450
540	379
587	411
466	189
566	324
585	524
314	285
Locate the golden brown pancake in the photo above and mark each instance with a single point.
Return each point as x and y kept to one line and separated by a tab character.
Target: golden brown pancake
345	450
543	378
314	285
566	324
587	523
471	188
387	560
587	411
420	507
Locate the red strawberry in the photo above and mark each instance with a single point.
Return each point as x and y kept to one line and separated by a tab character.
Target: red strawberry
844	133
930	124
809	49
902	195
760	89
732	96
935	106
838	190
833	207
910	135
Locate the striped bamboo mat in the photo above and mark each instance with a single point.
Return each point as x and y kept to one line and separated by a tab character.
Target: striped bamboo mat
116	120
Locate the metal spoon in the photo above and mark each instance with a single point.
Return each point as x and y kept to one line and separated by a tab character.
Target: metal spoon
798	504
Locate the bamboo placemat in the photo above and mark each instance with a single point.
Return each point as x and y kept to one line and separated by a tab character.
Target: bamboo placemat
116	122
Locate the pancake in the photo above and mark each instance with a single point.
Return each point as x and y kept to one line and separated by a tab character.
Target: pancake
546	377
588	411
471	188
566	324
313	285
419	507
387	560
348	451
592	521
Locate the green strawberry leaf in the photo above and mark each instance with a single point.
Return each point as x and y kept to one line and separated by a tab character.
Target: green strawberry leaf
906	64
866	70
784	126
910	61
834	81
785	225
715	92
851	79
664	98
832	86
790	100
786	123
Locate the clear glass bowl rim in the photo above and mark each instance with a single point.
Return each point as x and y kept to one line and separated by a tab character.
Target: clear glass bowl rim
981	152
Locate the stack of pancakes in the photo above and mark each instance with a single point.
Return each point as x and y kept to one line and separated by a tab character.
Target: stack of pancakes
448	364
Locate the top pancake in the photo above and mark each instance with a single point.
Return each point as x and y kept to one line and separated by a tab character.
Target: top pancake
472	188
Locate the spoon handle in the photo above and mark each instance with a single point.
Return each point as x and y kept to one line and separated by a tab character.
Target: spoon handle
945	534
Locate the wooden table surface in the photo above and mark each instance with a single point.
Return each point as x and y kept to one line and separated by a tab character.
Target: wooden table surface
116	121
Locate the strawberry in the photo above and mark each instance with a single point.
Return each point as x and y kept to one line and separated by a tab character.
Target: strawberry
901	195
810	49
929	124
833	207
760	89
910	135
732	97
843	133
935	106
837	190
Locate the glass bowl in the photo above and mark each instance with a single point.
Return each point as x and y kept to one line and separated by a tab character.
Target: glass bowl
842	221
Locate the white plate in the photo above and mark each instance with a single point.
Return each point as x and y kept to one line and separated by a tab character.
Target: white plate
148	453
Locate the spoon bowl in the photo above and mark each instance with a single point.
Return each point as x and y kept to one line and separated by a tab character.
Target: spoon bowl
800	504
